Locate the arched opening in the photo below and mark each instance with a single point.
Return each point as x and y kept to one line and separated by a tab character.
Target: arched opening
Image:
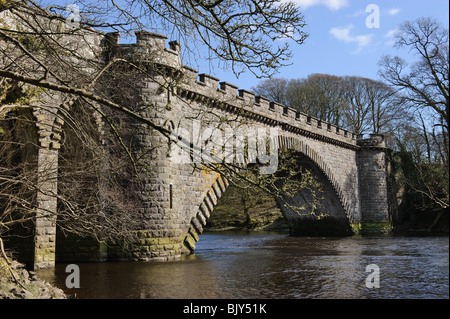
18	181
80	167
315	209
246	209
98	206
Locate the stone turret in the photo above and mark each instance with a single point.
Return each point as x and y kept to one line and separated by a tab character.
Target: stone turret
373	184
149	48
159	69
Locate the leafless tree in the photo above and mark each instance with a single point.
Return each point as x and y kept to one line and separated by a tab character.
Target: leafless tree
361	105
274	89
424	85
42	59
319	95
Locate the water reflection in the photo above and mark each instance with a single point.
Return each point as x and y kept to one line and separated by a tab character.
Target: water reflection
268	265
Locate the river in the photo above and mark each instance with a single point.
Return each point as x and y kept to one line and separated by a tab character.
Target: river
275	265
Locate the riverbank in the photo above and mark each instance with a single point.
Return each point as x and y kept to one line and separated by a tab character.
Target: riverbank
239	211
18	283
435	222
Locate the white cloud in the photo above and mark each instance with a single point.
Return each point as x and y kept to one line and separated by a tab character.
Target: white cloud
393	11
335	4
343	34
389	36
357	14
391	33
331	4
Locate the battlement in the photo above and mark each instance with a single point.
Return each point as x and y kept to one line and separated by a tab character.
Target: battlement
152	47
258	107
149	47
374	141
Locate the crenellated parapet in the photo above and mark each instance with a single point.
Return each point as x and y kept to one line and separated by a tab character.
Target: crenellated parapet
374	141
150	48
203	88
223	95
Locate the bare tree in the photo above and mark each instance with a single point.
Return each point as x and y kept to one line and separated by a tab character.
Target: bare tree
319	95
372	106
361	105
42	60
424	85
273	89
240	34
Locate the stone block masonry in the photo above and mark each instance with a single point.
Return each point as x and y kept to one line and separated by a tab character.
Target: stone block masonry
182	199
175	199
49	129
372	166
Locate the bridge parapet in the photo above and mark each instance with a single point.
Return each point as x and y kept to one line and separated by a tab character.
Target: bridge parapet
151	47
261	108
374	141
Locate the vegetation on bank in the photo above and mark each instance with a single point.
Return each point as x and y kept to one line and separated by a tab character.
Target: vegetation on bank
18	283
259	211
237	210
419	190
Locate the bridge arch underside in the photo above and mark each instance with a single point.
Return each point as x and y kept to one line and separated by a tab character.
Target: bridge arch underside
332	216
327	218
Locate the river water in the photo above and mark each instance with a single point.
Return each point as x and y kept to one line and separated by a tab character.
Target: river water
275	265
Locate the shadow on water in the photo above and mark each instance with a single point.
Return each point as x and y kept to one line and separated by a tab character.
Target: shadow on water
274	265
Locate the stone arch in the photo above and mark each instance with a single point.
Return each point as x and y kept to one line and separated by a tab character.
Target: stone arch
39	135
205	209
19	138
72	118
219	185
332	216
296	144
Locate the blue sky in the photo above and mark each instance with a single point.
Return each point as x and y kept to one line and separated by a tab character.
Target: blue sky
340	43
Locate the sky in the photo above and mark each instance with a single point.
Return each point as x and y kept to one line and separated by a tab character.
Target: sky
344	38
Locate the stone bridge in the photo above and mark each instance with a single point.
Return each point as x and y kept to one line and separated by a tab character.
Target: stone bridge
178	200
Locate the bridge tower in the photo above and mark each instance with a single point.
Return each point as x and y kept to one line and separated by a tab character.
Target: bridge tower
373	185
157	219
